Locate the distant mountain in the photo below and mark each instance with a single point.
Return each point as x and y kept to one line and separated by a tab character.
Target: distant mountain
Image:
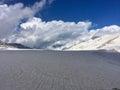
12	46
20	46
106	42
109	42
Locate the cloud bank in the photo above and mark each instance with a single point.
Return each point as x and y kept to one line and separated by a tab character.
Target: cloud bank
51	35
57	35
36	33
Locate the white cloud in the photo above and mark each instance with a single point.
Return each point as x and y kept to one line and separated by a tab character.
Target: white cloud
10	15
39	5
106	30
51	35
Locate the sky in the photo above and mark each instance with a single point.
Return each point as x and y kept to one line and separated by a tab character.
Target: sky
57	24
100	12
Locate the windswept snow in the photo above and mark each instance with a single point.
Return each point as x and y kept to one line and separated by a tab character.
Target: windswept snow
107	42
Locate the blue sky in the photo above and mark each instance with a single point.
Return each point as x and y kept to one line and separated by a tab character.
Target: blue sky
100	12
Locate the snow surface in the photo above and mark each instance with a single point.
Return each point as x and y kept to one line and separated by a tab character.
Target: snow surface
57	70
107	42
7	48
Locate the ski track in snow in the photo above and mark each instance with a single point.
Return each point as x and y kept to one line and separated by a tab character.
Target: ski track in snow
57	70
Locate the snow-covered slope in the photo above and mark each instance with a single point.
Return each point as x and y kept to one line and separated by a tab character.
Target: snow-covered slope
11	46
107	42
3	46
7	47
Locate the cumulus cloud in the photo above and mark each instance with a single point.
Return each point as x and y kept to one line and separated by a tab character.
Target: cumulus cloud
106	30
51	35
10	15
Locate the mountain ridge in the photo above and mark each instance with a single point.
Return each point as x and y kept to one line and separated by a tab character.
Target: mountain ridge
107	42
12	46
